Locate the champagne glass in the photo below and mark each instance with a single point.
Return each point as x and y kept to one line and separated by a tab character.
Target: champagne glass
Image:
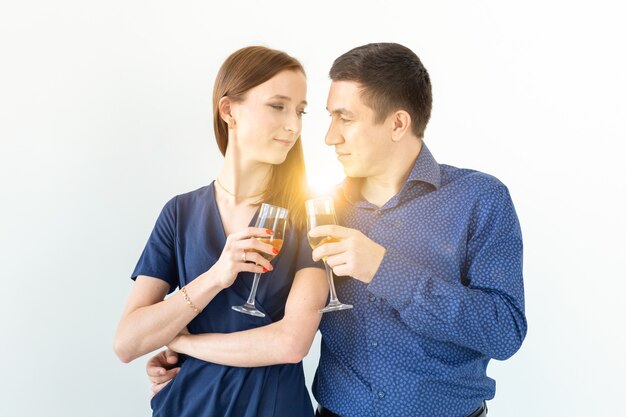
273	218
321	211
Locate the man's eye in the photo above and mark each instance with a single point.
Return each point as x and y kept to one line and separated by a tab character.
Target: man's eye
340	118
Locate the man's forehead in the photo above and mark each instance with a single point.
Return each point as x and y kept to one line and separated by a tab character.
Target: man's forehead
344	97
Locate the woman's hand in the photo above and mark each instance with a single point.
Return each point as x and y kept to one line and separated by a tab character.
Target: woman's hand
240	254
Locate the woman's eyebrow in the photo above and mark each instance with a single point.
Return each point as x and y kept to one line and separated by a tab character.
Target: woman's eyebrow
281	97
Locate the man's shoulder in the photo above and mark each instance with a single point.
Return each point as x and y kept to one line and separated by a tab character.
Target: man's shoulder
469	180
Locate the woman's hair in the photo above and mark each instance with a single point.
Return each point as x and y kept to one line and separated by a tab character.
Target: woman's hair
242	71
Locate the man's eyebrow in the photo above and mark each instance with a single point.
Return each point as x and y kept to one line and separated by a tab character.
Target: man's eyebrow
281	97
341	112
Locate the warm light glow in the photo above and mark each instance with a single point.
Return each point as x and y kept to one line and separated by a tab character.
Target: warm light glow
324	177
324	171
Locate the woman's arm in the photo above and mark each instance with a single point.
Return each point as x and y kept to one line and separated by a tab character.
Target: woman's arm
286	341
150	322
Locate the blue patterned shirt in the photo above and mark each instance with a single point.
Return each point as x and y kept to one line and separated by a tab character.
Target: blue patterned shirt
447	298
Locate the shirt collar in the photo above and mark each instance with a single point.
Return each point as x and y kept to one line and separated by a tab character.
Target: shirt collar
426	169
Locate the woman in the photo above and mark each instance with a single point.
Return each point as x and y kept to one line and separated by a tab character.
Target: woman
204	244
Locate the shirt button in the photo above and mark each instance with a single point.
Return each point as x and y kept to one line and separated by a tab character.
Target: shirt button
381	394
372	298
374	343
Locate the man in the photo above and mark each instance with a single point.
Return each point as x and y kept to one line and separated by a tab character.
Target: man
429	255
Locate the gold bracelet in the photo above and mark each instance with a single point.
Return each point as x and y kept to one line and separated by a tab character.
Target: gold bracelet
188	300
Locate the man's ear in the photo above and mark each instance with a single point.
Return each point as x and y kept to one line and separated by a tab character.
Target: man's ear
401	124
225	109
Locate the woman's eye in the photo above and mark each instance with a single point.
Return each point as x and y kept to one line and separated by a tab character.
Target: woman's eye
301	112
277	106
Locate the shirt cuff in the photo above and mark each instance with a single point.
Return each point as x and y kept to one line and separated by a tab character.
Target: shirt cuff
396	280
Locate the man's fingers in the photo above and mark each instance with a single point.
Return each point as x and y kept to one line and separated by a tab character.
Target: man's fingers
167	376
160	363
341	270
331	230
155	388
154	371
328	249
171	357
336	260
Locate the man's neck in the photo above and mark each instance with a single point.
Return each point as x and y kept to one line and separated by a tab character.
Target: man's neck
381	188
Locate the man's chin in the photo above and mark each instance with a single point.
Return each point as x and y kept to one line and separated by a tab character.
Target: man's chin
352	172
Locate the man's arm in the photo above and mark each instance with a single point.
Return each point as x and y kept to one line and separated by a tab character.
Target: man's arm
285	341
487	315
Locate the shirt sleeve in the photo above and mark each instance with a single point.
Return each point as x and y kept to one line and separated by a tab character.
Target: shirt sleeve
305	257
158	259
486	313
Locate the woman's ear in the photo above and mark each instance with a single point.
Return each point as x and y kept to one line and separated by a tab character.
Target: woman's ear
224	106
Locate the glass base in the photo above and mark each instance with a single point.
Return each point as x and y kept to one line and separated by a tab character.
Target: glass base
335	307
249	309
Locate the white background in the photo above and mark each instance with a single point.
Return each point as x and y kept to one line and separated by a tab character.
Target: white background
105	114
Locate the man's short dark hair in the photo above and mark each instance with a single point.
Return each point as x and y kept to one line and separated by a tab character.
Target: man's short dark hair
393	78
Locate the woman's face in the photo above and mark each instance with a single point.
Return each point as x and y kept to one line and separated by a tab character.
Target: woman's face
268	121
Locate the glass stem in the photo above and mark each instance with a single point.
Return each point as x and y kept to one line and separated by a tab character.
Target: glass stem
255	285
331	284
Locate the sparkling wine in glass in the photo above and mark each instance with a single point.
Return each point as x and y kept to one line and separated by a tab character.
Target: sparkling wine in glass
319	212
273	218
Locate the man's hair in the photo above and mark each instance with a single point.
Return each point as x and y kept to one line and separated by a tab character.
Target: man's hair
392	78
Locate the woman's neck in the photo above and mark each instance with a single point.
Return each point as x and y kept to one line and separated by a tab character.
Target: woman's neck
243	181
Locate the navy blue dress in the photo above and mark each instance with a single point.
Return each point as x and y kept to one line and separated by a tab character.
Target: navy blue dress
187	240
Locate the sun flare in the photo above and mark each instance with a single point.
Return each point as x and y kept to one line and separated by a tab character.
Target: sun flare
323	178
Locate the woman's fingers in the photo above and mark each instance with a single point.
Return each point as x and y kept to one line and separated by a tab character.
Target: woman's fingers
244	250
253	267
258	259
251	249
249	232
257	245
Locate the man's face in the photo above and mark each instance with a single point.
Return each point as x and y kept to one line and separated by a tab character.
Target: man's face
362	146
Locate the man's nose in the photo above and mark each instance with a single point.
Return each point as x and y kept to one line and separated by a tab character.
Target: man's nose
333	136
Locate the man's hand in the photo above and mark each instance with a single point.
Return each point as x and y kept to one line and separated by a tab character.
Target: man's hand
354	255
161	369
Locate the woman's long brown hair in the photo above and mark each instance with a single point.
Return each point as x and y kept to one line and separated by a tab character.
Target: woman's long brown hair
242	71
